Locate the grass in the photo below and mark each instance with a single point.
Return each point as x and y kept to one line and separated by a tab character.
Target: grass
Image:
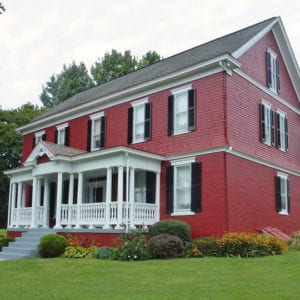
275	277
2	232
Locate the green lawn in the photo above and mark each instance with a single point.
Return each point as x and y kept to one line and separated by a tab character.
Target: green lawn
276	277
2	232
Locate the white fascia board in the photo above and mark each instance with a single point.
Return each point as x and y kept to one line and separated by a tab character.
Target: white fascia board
142	90
17	171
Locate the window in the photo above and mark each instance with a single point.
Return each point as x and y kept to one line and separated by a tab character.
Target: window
38	136
96	132
282	188
282	131
139	121
96	191
267	124
184	187
144	187
62	135
181	111
273	71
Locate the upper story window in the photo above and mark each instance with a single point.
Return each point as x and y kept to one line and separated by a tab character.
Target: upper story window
62	135
139	121
282	189
273	71
96	132
181	110
282	131
184	187
267	124
38	136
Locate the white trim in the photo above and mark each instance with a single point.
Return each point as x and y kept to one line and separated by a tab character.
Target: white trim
97	116
183	213
156	85
282	175
183	161
62	126
139	102
266	103
181	89
268	91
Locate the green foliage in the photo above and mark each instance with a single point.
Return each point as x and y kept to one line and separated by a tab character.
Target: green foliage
103	253
72	80
172	227
165	246
4	241
79	252
2	8
133	246
295	241
149	58
52	245
204	246
11	146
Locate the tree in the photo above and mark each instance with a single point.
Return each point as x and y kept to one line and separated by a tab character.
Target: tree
11	147
2	8
72	80
149	58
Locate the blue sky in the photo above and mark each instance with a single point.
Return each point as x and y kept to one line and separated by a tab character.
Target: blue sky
38	37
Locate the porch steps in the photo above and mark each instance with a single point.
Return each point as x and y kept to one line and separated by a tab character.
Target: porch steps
275	232
25	246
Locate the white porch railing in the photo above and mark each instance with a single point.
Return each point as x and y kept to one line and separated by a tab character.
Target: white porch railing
90	214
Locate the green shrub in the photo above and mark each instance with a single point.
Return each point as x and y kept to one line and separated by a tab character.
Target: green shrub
295	241
133	246
103	253
4	241
165	246
52	245
204	246
172	227
79	252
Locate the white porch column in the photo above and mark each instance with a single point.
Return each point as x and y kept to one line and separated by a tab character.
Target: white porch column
46	203
157	196
33	202
131	197
79	198
108	198
20	189
13	203
70	199
120	198
9	211
59	199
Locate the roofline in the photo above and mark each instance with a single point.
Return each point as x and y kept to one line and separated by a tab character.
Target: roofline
202	67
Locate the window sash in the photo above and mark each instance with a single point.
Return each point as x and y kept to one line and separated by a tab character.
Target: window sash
61	136
182	188
284	195
139	123
96	130
181	112
282	131
273	71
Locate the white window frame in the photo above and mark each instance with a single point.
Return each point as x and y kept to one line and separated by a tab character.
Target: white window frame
39	136
177	93
284	195
273	60
282	129
268	122
136	105
94	118
61	133
140	192
91	186
177	165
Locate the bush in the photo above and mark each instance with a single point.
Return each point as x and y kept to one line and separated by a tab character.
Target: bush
204	246
247	244
4	241
172	227
165	246
79	252
295	241
52	245
133	246
103	253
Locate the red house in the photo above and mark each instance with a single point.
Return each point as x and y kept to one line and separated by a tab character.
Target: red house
209	136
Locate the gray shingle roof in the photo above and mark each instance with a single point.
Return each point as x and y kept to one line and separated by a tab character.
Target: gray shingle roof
223	45
62	150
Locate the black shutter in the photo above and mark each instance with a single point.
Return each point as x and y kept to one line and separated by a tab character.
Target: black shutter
272	128
44	137
147	129
89	135
269	70
150	187
278	137
277	75
170	115
288	196
170	190
278	193
33	142
191	110
103	132
66	192
262	123
67	136
196	187
130	125
286	134
56	136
